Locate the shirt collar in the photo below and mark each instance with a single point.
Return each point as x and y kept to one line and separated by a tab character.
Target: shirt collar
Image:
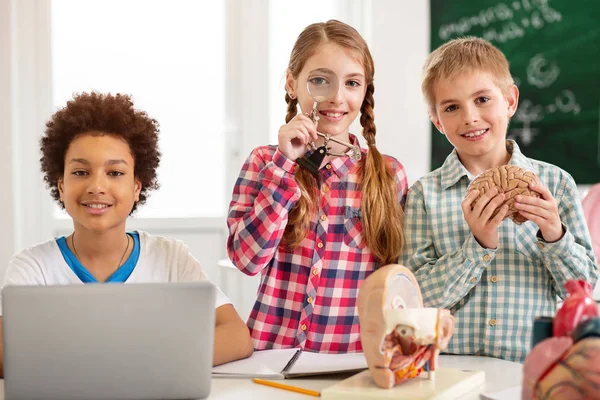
518	158
452	170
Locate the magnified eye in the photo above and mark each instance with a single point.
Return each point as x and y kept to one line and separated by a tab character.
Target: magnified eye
322	84
318	80
405	331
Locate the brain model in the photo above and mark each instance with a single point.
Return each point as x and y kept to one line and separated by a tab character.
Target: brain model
510	180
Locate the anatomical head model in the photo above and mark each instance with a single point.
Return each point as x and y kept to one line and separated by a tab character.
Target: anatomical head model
399	336
565	360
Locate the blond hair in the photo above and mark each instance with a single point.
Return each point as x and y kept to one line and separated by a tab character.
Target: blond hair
460	55
382	215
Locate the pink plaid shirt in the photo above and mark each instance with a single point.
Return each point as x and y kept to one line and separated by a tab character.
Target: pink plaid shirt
306	298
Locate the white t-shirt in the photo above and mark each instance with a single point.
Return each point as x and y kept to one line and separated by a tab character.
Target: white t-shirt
161	260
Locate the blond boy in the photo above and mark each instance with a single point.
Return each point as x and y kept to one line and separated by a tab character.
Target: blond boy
493	274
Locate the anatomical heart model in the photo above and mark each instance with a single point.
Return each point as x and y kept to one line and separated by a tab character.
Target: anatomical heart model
399	336
565	360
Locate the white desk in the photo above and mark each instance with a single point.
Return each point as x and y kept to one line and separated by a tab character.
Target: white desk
499	374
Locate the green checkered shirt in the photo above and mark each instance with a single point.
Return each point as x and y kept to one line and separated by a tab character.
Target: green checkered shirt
494	295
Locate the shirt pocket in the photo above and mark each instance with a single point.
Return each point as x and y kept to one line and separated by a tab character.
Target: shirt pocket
526	240
353	227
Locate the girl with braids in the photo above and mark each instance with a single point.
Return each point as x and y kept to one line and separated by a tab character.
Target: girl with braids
314	240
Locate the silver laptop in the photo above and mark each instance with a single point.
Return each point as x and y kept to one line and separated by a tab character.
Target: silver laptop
108	341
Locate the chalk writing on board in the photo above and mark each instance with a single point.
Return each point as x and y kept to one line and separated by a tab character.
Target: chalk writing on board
528	113
504	21
541	73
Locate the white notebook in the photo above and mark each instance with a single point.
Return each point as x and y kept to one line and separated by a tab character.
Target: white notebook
290	363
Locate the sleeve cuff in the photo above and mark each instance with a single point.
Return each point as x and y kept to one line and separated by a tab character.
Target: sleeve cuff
476	254
479	257
557	248
283	162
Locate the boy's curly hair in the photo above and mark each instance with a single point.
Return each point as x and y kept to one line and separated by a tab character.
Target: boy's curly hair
101	114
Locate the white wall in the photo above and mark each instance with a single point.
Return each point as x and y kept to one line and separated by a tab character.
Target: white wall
399	42
6	128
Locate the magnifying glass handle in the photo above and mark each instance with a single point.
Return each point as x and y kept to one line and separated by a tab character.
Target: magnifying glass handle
355	153
335	140
314	114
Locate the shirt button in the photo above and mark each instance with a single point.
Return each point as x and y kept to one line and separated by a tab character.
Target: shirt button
303	327
487	258
328	166
315	271
473	279
320	245
540	245
323	217
310	300
492	322
326	189
494	279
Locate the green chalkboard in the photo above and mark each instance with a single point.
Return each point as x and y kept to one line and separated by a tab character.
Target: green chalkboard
553	47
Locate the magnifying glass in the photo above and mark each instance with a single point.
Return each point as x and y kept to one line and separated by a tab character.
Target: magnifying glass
322	85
